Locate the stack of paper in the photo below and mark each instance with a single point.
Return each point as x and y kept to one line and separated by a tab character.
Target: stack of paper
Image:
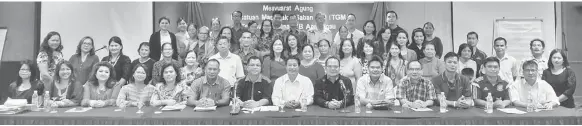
174	108
211	108
511	110
84	109
269	108
12	109
422	109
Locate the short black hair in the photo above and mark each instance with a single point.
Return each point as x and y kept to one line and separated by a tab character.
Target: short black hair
491	59
237	12
408	65
212	60
500	38
529	63
376	58
468	72
163	18
537	39
473	33
450	55
332	57
293	58
277	12
352	15
391	11
254	58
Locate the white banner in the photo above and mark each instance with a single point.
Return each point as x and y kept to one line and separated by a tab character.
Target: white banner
519	33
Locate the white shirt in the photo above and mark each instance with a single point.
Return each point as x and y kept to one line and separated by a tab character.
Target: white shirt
357	35
542	65
382	90
230	67
508	67
286	90
541	91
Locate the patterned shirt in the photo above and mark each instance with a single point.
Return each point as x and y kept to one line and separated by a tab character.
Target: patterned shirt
179	93
42	58
396	72
300	34
244	56
482	86
424	90
157	70
130	93
219	90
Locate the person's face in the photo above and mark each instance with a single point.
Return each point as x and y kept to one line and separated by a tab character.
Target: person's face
236	17
292	41
164	24
87	45
414	70
391	18
394	51
102	73
351	21
557	59
266	26
227	33
307	53
375	69
169	74
139	74
347	47
215	25
114	47
343	32
254	67
64	72
278	46
277	19
419	38
203	34
323	47
167	50
223	45
292	66
191	59
332	67
54	42
428	29
466	53
386	35
537	47
530	72
192	30
472	40
292	21
452	63
144	51
246	39
212	69
429	50
492	68
253	28
369	28
24	71
182	25
499	46
368	49
320	19
401	39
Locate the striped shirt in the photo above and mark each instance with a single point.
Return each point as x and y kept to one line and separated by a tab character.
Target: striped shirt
130	93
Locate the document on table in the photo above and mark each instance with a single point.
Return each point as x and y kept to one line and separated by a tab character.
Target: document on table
173	107
269	108
511	110
211	108
79	110
422	109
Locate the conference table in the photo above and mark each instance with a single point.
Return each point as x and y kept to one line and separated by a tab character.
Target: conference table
315	115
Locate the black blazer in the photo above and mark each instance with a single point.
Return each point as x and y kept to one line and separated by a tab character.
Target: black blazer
156	47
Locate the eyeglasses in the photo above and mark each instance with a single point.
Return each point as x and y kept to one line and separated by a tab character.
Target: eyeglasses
414	69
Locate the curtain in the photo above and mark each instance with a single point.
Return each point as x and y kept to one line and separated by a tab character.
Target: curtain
195	14
378	14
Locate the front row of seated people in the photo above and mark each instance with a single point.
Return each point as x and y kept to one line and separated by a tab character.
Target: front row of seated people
331	91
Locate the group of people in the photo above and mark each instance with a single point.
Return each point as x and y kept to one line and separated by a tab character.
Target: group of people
275	65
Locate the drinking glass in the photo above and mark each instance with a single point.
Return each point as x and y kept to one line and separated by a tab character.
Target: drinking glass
281	108
123	105
139	106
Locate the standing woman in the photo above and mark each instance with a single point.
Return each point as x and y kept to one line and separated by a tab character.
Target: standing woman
191	70
144	52
309	67
182	36
101	89
121	63
369	34
64	90
368	51
252	26
465	53
265	37
274	65
169	91
168	58
50	54
325	51
26	82
138	90
402	41
204	46
349	64
384	38
431	65
157	39
343	32
418	42
292	46
561	77
84	60
214	28
396	65
429	37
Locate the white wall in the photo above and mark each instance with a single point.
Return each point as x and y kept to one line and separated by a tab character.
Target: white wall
131	21
479	17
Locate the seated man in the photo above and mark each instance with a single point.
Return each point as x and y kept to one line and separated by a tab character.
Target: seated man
531	89
492	83
457	88
333	90
255	89
414	91
211	89
376	88
292	87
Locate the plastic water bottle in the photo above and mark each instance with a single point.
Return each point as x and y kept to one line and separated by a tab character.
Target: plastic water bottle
357	104
35	102
47	106
489	104
530	106
303	105
368	108
443	103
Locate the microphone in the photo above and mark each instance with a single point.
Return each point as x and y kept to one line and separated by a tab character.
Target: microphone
343	86
104	46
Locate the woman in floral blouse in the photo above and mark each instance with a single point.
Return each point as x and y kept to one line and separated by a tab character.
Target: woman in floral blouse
50	54
191	71
101	89
170	90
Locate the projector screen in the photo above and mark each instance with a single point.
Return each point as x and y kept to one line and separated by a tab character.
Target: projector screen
131	21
